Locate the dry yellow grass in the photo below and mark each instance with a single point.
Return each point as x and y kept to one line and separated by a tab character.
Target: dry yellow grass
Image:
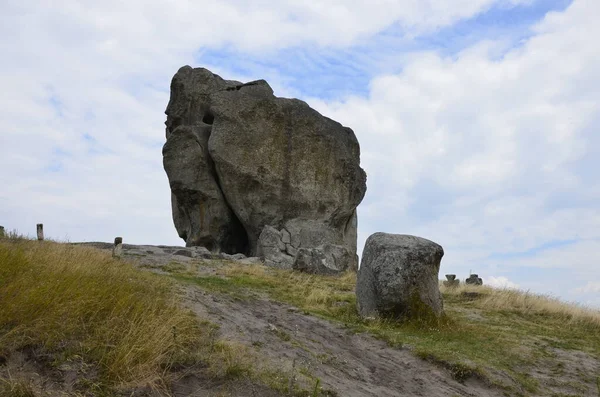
527	303
315	291
505	336
231	359
73	303
78	302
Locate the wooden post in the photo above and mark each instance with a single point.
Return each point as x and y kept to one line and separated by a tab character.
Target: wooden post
118	247
1	231
40	231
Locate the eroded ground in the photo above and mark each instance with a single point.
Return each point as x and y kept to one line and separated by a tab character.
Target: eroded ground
320	355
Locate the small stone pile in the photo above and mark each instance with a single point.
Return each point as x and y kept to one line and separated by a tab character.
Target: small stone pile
451	281
474	279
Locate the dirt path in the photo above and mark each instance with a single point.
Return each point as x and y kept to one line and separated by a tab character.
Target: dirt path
346	363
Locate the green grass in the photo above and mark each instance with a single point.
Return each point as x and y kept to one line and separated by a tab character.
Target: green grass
485	332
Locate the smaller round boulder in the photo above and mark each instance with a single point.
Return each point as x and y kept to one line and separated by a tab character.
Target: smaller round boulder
398	277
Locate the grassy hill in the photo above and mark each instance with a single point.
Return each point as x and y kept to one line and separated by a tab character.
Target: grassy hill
522	343
74	321
75	307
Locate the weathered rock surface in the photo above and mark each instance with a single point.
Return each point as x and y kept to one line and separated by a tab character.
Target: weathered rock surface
398	277
234	257
324	259
240	159
165	253
272	248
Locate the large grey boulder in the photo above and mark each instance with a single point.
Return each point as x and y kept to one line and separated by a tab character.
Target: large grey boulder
398	277
239	159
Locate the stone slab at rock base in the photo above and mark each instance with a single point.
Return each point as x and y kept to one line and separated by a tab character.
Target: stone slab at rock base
234	257
398	277
277	249
326	259
164	254
272	249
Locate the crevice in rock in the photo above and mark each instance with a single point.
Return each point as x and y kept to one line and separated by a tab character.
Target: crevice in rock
348	223
240	86
239	236
285	183
208	118
172	123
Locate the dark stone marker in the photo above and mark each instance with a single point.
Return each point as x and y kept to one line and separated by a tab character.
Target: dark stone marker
118	247
474	279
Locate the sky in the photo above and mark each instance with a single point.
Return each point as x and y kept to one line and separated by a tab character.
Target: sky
478	119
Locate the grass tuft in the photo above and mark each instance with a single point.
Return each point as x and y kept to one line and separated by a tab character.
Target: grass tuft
231	360
16	388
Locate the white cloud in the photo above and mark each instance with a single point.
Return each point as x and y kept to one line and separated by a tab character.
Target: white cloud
578	257
106	66
490	150
500	282
112	28
488	155
591	287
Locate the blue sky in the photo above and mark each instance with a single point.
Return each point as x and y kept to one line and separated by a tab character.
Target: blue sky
331	72
478	119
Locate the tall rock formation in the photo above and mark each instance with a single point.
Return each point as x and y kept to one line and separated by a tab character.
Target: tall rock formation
241	161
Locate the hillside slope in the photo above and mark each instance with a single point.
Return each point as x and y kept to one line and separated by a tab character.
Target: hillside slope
271	332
